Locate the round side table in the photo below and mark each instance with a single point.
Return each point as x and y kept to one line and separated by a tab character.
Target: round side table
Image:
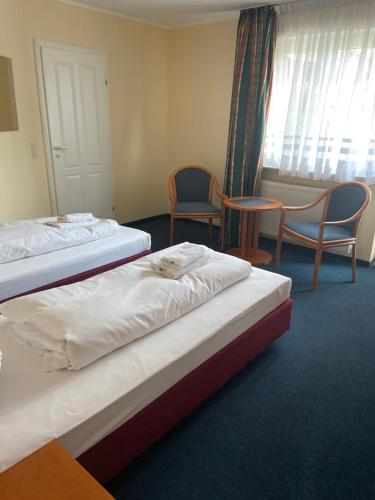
251	208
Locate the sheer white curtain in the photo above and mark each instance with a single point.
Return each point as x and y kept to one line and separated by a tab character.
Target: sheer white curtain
322	112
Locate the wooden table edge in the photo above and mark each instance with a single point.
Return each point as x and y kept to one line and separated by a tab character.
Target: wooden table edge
274	205
50	473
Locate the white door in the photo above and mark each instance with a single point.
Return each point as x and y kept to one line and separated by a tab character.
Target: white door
77	112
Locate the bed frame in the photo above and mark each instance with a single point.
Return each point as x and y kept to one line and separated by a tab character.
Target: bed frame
84	275
108	457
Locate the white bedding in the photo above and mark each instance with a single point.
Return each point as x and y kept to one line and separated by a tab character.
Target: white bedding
80	408
77	324
20	241
27	274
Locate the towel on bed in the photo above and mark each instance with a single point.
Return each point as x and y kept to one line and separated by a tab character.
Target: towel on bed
181	260
74	325
78	217
175	274
100	228
63	225
183	255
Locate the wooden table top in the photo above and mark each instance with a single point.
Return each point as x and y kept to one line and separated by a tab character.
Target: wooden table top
50	474
252	203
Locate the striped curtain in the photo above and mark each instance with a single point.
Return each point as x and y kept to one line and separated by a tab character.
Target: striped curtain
256	37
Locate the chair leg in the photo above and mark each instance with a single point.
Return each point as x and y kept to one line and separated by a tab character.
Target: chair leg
210	227
318	258
278	247
222	230
171	230
354	263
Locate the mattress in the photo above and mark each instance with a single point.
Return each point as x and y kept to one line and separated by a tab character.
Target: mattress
81	408
27	274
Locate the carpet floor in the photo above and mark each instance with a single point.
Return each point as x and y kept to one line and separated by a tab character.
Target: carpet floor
296	424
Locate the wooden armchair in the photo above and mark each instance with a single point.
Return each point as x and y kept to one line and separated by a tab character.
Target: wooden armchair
342	211
190	193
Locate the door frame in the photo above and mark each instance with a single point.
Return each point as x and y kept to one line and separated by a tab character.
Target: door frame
38	46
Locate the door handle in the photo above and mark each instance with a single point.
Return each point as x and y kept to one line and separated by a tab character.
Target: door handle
60	148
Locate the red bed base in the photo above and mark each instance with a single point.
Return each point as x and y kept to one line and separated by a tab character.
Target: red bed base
108	457
83	276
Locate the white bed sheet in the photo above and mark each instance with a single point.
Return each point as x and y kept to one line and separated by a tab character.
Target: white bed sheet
27	274
81	408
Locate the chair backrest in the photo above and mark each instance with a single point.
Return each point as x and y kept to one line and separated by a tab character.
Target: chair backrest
192	183
346	200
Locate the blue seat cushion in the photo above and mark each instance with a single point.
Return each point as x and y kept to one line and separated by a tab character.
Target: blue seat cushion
311	230
195	207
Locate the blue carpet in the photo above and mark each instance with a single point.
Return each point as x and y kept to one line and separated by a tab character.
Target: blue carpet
296	424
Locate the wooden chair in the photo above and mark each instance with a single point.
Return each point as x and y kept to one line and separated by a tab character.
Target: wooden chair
342	211
190	193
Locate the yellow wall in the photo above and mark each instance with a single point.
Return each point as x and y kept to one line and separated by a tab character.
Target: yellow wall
200	71
138	100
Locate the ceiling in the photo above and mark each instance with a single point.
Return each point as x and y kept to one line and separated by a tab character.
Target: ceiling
172	13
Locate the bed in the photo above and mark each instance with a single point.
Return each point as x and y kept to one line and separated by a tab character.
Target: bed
109	412
72	264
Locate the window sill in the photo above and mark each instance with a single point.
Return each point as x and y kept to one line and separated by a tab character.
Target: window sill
310	178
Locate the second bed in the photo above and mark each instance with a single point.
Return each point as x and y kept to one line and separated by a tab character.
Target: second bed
73	263
110	411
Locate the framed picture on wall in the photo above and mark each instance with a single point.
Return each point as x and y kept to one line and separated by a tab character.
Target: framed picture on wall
8	109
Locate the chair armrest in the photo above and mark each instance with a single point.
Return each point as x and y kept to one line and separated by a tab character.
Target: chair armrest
222	195
171	192
344	221
284	210
304	207
217	189
172	203
218	192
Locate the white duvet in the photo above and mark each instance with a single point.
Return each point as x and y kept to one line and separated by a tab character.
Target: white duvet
74	325
21	240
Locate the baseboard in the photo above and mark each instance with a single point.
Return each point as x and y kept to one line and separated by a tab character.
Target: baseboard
146	219
166	216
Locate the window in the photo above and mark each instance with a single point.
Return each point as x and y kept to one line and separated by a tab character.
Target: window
322	112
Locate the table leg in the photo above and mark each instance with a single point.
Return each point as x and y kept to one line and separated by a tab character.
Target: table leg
244	230
250	227
249	241
255	243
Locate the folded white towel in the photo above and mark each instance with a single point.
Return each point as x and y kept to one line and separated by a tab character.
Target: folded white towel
63	225
175	273
78	217
183	255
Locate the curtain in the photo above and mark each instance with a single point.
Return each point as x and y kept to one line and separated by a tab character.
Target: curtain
252	79
322	113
